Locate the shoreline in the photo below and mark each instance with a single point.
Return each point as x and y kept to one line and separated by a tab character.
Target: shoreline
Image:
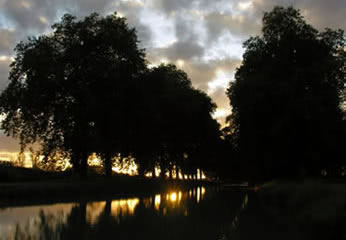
60	191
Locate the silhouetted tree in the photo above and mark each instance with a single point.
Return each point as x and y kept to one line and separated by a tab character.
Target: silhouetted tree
71	90
180	121
286	113
117	89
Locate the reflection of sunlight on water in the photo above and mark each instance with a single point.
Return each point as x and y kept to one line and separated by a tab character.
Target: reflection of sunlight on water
198	194
203	190
173	196
124	206
19	216
174	203
165	202
157	201
93	210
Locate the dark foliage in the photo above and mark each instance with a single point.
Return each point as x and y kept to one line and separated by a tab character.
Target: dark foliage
286	99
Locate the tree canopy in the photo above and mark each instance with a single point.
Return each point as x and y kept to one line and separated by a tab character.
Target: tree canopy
286	98
67	88
182	117
86	88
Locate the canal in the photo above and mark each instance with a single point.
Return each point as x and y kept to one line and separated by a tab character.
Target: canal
198	213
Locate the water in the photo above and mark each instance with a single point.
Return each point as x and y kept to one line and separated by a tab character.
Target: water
197	213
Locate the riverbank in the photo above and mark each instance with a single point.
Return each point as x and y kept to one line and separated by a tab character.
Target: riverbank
311	209
50	187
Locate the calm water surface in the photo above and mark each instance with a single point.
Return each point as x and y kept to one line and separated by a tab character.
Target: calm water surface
199	213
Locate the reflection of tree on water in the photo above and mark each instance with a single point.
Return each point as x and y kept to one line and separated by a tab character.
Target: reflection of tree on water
230	227
173	215
47	226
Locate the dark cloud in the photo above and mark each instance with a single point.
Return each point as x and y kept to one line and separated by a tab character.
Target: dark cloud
4	71
187	46
7	41
181	50
170	6
237	25
85	7
319	13
185	28
31	15
132	13
324	14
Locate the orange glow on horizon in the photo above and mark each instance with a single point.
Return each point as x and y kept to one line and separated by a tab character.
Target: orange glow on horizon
128	167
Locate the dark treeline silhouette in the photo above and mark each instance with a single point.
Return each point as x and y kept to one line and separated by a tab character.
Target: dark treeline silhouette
86	88
287	99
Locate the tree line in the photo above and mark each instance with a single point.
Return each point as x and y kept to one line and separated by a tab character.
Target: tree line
287	98
87	88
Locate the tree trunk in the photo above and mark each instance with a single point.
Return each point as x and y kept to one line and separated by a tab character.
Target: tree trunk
84	166
108	208
141	170
170	171
153	171
83	212
163	170
184	176
108	165
162	173
75	162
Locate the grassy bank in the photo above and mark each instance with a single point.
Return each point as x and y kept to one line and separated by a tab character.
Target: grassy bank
314	209
33	186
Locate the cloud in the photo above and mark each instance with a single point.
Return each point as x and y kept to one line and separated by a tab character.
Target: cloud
132	12
7	41
318	13
169	6
219	96
30	15
324	14
238	25
85	7
6	143
181	50
202	73
5	61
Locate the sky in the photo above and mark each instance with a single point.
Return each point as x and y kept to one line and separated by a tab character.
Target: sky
202	37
